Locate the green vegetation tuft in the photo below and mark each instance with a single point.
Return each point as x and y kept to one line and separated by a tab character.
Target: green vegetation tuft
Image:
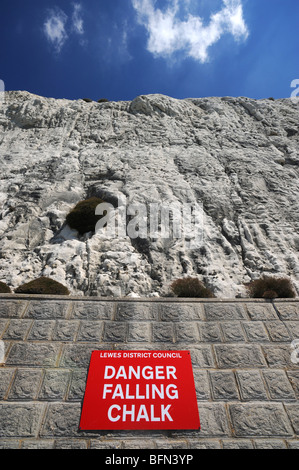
82	217
270	288
190	287
43	285
4	288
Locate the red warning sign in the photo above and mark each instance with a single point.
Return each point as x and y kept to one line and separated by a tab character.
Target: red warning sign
140	390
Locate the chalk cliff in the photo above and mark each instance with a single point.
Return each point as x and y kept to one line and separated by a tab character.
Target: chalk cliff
237	158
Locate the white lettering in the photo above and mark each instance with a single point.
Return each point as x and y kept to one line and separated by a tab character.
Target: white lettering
118	392
171	459
121	373
170	371
159	372
140	391
128	396
164	412
142	414
156	390
129	413
147	372
175	394
138	396
106	375
153	418
132	372
110	417
115	460
149	375
106	390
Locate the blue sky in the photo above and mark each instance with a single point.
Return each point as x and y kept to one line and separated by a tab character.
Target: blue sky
119	49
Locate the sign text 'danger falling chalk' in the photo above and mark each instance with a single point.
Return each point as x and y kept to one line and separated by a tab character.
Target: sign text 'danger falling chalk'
140	390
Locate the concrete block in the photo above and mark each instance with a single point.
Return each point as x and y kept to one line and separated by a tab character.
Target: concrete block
54	385
278	385
139	332
256	332
260	420
42	330
261	312
232	332
139	311
77	385
6	376
33	354
277	331
65	330
20	419
12	308
251	385
239	356
17	329
181	312
293	376
47	310
223	385
287	311
187	332
26	384
91	310
270	444
210	332
293	414
61	420
224	312
163	332
90	330
115	331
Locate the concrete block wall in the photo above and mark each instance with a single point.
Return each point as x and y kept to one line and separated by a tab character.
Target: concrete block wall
247	381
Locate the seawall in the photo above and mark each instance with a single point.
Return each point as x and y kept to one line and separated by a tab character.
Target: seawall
246	378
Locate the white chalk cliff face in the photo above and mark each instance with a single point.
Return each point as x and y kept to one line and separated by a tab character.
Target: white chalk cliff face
238	157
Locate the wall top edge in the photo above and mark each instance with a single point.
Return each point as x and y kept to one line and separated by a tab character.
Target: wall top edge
70	298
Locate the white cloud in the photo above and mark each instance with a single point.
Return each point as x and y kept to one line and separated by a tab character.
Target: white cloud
167	33
114	46
77	19
56	27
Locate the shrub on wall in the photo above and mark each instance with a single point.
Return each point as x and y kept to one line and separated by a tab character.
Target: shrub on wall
82	217
43	285
4	288
270	288
190	287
